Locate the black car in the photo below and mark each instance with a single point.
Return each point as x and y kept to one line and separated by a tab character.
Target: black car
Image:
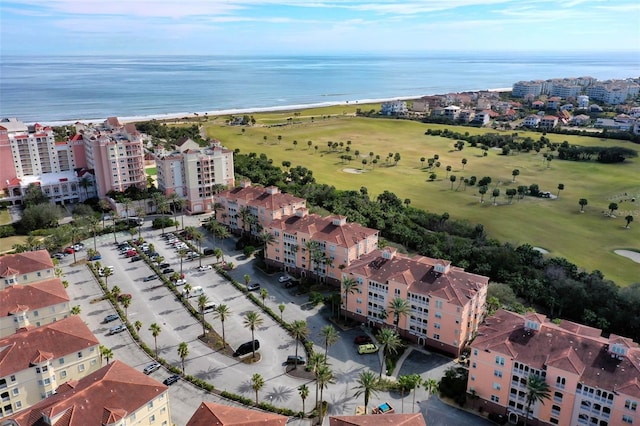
290	284
168	271
164	265
135	259
171	380
295	360
247	347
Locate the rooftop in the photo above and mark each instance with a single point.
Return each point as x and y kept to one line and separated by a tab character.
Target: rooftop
31	297
25	263
210	414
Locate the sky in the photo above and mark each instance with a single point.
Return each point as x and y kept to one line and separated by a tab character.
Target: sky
153	27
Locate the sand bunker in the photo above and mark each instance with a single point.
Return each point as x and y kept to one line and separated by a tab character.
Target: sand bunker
629	254
354	171
541	250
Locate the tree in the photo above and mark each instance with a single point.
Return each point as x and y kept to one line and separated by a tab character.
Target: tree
107	272
560	188
396	158
222	312
76	310
399	307
495	194
309	143
390	342
33	196
187	290
198	238
303	391
452	178
324	376
432	177
315	362
514	173
349	286
267	239
330	336
218	253
431	386
281	307
295	144
537	391
257	383
155	332
408	382
367	385
252	320
464	163
115	291
125	301
203	300
629	219
183	352
264	293
612	207
448	169
583	202
299	331
247	279
482	190
137	325
107	353
422	160
511	192
182	253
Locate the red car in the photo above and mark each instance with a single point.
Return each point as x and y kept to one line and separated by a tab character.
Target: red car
69	250
362	340
131	253
124	296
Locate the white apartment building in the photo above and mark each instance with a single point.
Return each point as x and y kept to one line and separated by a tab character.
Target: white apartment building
196	174
522	89
613	92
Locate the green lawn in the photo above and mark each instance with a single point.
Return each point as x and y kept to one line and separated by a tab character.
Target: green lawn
151	171
7	243
5	217
586	239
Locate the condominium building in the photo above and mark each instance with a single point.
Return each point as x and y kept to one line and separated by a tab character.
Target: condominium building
311	245
25	268
446	303
593	380
34	363
30	155
522	89
210	413
613	92
26	306
252	208
114	395
393	108
115	153
195	174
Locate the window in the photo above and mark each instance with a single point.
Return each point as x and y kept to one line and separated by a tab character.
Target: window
61	361
152	418
473	365
81	367
150	405
63	374
15	391
475	352
631	405
627	419
80	354
497	373
18	404
436	325
436	336
554	421
496	386
438	315
495	398
500	360
557	396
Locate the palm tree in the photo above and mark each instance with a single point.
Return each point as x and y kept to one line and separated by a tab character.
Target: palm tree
107	353
399	307
482	190
107	273
203	300
537	391
629	219
125	301
182	253
330	336
177	204
583	202
247	279
155	332
218	253
315	362
404	383
115	292
367	386
281	307
514	173
431	386
251	321
267	239
324	376
137	325
414	382
464	163
390	342
264	293
495	194
303	391
198	238
187	290
299	331
162	207
76	310
126	202
183	352
257	383
612	207
349	286
560	188
85	183
222	312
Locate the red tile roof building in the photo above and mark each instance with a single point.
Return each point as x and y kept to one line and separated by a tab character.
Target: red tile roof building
593	380
210	414
415	419
25	268
446	302
33	305
34	363
311	245
116	394
256	205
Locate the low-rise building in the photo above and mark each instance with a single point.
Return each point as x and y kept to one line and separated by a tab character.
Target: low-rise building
548	122
395	419
252	208
311	245
446	303
592	380
116	394
25	268
33	305
34	363
210	413
531	121
393	108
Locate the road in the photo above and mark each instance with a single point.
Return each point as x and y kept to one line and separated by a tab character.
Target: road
153	302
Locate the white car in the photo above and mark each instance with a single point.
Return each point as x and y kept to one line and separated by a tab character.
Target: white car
204	268
180	282
284	278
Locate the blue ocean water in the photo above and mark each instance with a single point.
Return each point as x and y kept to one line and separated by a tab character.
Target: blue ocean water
68	88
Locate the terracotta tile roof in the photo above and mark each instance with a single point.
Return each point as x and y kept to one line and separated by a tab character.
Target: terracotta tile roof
418	273
33	296
24	263
567	346
130	128
415	419
113	122
324	229
210	414
60	338
110	394
270	198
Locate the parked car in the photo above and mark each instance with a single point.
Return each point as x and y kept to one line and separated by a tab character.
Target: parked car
135	259
363	339
131	253
285	278
204	268
247	347
253	286
167	271
96	256
78	247
180	282
69	250
117	329
163	265
171	380
369	348
151	368
295	360
209	308
111	317
290	284
196	291
150	278
59	255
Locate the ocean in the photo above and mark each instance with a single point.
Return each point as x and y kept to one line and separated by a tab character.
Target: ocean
56	89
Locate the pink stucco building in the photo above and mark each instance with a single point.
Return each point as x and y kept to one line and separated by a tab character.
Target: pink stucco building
446	303
593	380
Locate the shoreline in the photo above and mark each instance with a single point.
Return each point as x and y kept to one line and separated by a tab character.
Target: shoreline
236	111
